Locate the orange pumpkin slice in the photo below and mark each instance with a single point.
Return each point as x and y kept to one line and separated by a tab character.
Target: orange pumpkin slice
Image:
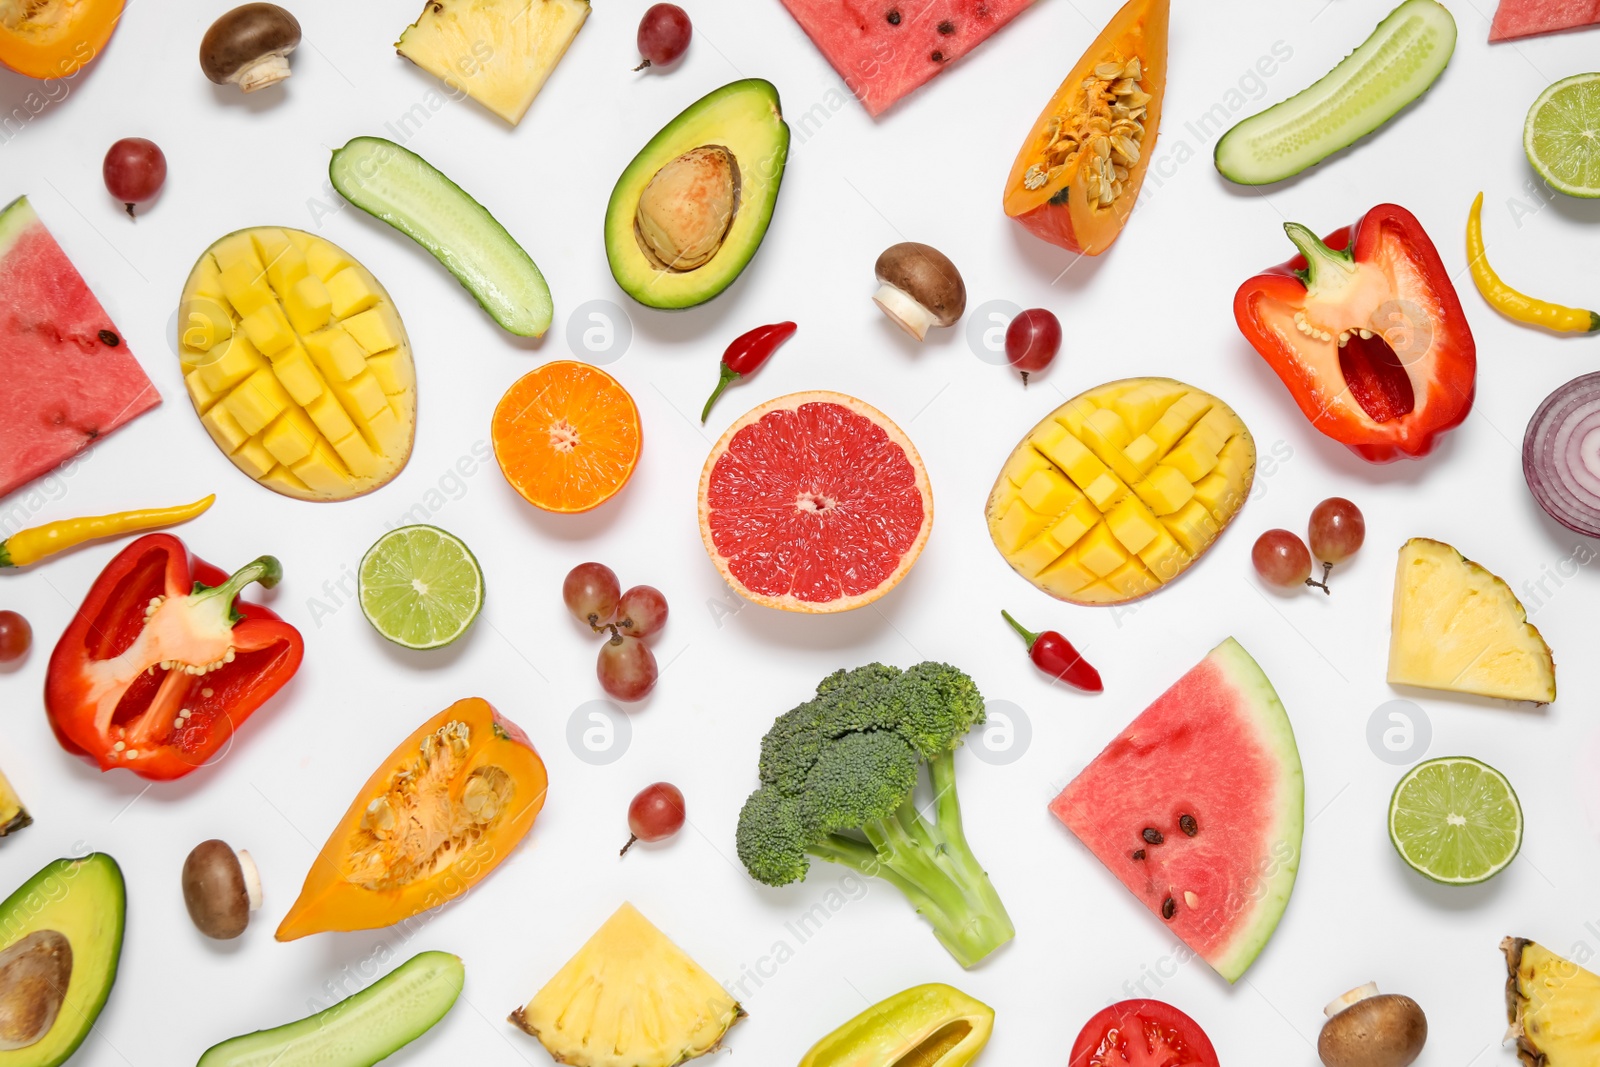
1078	175
567	436
442	811
55	38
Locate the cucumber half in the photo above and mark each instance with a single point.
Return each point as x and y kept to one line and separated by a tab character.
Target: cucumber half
358	1031
406	191
1405	54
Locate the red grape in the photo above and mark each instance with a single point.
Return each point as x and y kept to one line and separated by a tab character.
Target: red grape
626	668
16	636
663	35
591	591
134	171
1032	341
1337	530
642	611
655	814
1281	559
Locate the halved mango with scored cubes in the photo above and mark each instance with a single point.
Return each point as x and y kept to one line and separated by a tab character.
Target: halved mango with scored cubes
298	364
1120	489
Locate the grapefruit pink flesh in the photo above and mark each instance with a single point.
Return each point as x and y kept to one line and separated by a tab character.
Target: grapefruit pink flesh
1215	755
814	502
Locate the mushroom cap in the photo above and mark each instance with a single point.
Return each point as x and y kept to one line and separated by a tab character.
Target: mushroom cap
1387	1030
927	276
215	890
243	36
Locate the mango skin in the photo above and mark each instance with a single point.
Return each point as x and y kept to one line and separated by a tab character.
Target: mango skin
890	1030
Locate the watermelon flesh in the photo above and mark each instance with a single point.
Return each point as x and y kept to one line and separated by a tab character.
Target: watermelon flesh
1214	755
69	377
1529	18
883	49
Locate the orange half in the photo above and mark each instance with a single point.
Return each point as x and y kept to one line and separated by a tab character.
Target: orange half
567	436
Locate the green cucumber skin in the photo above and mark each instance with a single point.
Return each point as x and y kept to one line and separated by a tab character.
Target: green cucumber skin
359	1031
1240	161
515	295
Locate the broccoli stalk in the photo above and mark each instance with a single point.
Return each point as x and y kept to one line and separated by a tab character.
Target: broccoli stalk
846	764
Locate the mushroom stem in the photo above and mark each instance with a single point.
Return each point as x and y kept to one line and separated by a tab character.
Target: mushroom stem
252	879
1355	996
904	310
263	72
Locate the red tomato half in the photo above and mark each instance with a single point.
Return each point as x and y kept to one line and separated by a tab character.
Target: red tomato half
1142	1033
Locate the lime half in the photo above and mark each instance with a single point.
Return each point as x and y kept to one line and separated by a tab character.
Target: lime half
420	587
1562	135
1455	820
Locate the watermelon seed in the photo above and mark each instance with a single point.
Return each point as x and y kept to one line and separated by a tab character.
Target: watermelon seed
1169	908
1152	835
937	57
1138	853
947	27
109	338
1187	824
894	18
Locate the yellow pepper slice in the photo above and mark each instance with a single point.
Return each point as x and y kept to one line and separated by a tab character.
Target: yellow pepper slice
37	542
1509	302
926	1026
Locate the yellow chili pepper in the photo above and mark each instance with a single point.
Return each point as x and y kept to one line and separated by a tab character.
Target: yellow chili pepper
29	546
1509	302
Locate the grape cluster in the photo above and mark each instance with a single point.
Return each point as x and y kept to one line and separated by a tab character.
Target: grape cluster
1337	531
626	667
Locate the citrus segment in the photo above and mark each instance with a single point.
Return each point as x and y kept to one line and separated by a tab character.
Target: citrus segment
814	502
567	436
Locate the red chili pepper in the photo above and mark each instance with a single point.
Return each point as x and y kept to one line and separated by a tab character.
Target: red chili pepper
162	662
1366	330
746	355
1055	655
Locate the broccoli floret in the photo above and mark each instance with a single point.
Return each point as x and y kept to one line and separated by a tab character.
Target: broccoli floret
838	775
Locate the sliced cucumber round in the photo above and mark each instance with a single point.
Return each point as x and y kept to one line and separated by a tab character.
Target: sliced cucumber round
406	191
358	1031
1405	54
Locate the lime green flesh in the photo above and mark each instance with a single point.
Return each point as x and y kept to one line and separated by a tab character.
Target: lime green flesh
420	587
404	190
359	1031
1455	820
1562	135
1397	64
745	118
85	901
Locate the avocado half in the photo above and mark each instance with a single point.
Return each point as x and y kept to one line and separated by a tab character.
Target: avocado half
739	126
84	902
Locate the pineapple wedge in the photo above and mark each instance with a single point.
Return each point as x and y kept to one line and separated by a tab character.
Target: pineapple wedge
499	52
629	998
1459	628
13	816
1553	1005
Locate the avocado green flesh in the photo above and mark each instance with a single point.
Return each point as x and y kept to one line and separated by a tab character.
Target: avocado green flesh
360	1030
406	191
85	901
745	118
1397	64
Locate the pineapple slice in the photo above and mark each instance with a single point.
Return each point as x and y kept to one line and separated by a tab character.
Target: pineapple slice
629	998
1553	1005
1459	628
499	52
1147	467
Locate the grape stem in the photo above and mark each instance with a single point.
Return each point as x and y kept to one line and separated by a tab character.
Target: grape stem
1327	569
643	64
631	839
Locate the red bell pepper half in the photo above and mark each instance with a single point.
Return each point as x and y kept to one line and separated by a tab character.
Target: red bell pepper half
1366	330
163	661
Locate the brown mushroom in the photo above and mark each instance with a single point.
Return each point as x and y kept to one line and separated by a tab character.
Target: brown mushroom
221	888
1369	1029
250	46
919	287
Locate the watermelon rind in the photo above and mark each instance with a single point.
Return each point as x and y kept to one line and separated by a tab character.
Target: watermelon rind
16	217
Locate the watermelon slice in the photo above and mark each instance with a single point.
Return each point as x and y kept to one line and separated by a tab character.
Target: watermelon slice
1529	18
883	49
1198	807
69	377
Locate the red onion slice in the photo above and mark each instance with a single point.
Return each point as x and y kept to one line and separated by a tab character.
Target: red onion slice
1561	455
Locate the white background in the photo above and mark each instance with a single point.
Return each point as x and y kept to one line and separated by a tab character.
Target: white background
931	170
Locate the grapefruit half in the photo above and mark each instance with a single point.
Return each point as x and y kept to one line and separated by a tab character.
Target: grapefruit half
814	502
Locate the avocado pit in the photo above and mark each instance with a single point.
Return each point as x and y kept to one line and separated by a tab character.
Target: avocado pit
687	208
34	974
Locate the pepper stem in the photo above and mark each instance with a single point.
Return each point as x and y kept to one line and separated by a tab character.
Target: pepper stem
1320	259
727	377
1027	634
265	569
